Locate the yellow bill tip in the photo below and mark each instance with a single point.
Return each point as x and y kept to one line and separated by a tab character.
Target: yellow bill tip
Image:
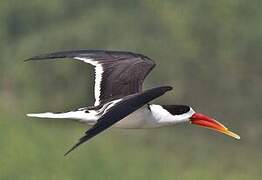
229	133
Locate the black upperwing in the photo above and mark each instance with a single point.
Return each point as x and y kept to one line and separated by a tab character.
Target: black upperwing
118	73
120	110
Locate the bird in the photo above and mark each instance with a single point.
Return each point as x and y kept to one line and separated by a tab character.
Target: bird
120	100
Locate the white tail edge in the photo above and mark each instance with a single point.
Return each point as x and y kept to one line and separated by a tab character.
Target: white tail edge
81	115
51	115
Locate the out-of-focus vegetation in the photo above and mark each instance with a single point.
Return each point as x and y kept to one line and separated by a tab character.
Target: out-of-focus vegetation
210	51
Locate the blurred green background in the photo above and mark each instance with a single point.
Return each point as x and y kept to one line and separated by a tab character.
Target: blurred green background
210	51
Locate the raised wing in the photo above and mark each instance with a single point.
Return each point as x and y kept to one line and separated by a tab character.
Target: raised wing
121	109
118	73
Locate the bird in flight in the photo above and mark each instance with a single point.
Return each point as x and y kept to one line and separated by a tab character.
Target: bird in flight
119	99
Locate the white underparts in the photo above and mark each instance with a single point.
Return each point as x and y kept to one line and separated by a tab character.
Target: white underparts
153	116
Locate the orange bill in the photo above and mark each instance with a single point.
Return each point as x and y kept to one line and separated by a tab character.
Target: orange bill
207	122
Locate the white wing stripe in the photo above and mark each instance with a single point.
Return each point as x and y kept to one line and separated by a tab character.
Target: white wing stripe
98	76
98	79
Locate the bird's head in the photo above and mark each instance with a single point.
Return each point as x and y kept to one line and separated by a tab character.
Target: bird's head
183	113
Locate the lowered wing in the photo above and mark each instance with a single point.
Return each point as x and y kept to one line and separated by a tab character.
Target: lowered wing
121	109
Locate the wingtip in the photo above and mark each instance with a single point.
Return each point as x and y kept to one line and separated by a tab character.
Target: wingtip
28	59
72	148
32	58
169	88
39	57
66	153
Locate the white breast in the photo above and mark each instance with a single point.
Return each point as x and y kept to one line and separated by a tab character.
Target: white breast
149	117
141	118
154	117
